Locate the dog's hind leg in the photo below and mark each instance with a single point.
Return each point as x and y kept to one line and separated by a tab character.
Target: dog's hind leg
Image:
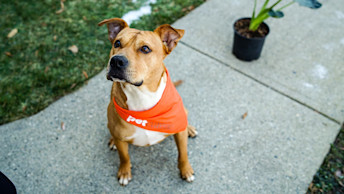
191	131
112	144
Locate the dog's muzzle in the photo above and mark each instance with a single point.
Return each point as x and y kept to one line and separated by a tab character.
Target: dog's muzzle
117	67
117	70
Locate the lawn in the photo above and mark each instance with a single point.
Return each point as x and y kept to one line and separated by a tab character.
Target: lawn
37	66
330	176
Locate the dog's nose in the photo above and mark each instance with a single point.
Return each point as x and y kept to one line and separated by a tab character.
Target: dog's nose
119	62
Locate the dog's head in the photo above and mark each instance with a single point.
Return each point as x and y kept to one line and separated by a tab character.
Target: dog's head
136	56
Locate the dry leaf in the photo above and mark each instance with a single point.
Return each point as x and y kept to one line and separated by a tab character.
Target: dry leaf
85	74
36	53
244	115
73	85
84	18
46	69
62	7
13	32
74	49
340	182
191	7
63	126
310	187
8	54
177	83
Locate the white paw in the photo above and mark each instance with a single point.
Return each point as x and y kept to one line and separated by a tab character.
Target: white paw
190	178
113	147
192	131
124	181
111	144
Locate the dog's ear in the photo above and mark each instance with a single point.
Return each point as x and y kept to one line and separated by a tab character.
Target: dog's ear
114	25
169	36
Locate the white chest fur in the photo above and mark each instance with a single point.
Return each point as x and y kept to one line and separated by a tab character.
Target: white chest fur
140	99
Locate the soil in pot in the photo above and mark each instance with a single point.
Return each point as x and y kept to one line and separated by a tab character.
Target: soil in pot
242	27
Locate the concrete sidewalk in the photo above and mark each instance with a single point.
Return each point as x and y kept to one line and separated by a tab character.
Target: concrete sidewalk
293	96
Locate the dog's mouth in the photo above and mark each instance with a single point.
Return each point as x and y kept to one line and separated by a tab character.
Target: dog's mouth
123	80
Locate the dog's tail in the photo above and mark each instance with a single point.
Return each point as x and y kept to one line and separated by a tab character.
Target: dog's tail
177	83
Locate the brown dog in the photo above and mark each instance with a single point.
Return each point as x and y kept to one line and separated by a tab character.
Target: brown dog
140	83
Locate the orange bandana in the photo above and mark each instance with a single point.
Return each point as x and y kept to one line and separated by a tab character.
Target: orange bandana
167	116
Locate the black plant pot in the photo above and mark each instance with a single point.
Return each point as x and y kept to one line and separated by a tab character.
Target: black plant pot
248	49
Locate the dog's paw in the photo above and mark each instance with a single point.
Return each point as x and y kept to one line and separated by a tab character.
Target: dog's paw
124	174
192	131
111	144
190	179
187	173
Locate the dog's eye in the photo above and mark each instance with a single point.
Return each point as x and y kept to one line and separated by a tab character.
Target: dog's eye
117	44
145	49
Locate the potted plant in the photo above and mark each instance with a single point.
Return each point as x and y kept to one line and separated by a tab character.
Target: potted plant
250	33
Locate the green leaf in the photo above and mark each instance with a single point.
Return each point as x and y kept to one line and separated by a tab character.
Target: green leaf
276	14
254	9
314	4
255	23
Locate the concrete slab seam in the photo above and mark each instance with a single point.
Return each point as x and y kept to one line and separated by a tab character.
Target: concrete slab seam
262	83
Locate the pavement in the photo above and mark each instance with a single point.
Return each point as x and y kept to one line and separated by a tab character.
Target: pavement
293	97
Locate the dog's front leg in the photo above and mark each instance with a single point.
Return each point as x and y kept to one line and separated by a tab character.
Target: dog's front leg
184	166
124	171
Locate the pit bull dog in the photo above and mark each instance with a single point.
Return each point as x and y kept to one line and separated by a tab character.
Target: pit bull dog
145	107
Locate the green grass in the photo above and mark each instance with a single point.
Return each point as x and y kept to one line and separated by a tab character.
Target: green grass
40	68
330	176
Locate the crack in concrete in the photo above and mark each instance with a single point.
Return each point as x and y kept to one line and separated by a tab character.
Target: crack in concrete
262	83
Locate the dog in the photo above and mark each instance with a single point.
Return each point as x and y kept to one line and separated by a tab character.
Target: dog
145	107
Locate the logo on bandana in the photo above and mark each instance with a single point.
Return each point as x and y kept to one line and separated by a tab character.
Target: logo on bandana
137	121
